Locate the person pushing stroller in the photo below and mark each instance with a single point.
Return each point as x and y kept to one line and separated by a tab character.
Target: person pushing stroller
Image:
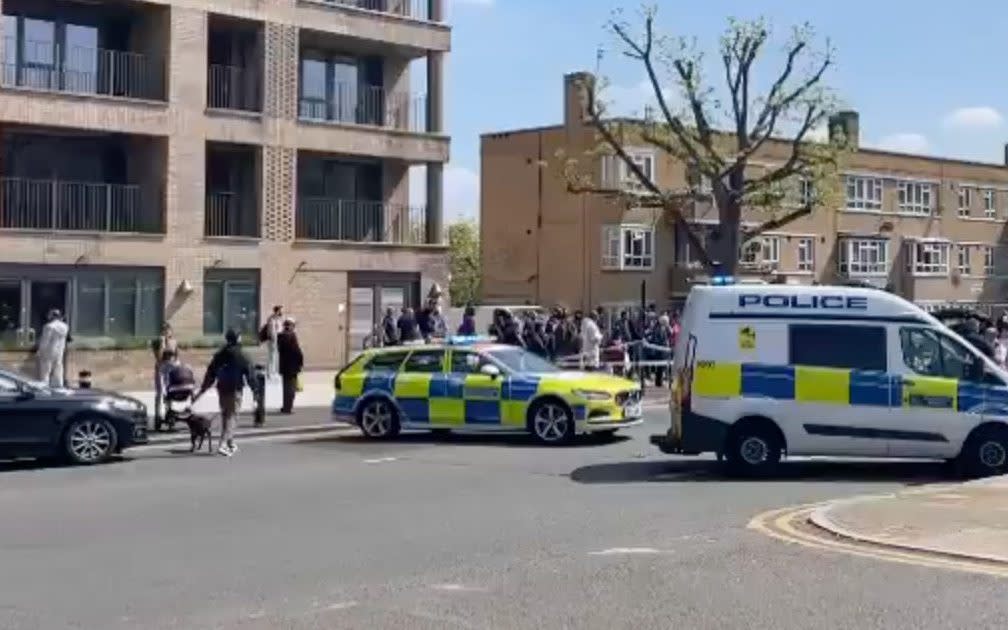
179	386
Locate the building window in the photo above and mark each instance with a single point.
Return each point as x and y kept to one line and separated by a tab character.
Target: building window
806	191
916	198
771	249
627	247
231	301
928	258
963	264
988	260
765	249
616	173
965	200
864	193
864	256
990	203
121	303
806	254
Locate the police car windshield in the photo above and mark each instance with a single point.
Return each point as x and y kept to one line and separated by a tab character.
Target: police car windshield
518	360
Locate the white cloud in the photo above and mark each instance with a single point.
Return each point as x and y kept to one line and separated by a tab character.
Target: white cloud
980	117
632	100
914	143
461	191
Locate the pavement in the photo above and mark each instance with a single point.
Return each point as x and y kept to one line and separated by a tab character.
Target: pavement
448	533
966	521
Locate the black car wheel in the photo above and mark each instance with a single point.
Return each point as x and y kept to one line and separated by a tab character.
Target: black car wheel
89	441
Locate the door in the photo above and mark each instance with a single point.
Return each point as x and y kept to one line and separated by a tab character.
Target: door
842	390
362	319
419	374
26	425
12	332
939	399
44	296
476	397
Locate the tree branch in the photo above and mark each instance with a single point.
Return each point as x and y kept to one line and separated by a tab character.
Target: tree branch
773	224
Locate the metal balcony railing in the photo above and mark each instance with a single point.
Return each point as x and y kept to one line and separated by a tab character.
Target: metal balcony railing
50	66
232	87
226	215
327	219
414	9
40	204
368	105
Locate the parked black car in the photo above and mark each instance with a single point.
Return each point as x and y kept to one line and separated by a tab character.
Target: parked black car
85	426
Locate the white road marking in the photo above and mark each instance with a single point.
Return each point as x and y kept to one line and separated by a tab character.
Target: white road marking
614	551
458	588
380	460
341	605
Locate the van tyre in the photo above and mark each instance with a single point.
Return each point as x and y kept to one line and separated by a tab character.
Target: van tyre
753	449
378	419
985	453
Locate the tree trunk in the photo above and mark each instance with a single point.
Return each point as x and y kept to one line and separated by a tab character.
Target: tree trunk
725	249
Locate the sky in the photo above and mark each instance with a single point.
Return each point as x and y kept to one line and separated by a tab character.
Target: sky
926	77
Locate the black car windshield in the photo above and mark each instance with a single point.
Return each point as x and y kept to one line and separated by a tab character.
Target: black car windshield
518	360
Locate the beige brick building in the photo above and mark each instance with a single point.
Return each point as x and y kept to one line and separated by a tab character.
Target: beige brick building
931	229
198	161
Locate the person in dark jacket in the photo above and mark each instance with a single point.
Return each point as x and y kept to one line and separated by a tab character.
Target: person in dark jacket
230	371
468	325
291	363
535	338
390	331
407	324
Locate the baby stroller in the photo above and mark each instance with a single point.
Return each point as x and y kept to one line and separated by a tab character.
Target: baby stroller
180	389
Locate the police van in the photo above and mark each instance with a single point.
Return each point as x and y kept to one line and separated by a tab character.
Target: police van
766	371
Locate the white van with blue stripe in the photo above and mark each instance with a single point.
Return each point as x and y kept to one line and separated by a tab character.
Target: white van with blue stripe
767	371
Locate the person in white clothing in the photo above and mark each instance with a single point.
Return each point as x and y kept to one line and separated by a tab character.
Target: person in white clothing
591	342
274	326
51	348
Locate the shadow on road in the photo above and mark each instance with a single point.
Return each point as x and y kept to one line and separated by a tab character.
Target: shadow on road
511	440
910	473
21	465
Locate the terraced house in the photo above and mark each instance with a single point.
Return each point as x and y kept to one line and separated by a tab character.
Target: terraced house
931	229
197	161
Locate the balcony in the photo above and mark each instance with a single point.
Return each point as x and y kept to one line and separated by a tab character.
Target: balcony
232	202
413	9
234	88
234	64
40	204
367	105
329	219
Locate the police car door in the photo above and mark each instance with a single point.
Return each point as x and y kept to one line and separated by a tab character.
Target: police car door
939	401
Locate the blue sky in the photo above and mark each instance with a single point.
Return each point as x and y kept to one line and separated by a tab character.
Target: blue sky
926	77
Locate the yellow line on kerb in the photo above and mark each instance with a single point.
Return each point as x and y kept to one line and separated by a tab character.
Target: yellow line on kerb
779	524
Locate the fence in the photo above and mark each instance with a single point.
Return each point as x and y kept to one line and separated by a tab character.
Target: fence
226	215
325	219
38	204
232	87
357	104
414	9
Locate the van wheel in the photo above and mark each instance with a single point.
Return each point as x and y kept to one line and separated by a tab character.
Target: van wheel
753	449
985	453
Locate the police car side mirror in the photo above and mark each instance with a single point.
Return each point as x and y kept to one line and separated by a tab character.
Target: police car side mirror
490	370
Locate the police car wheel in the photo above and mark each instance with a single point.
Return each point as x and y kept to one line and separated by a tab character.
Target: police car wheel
753	450
986	453
378	419
551	422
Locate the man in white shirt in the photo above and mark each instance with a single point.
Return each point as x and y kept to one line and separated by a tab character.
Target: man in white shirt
274	326
591	342
51	348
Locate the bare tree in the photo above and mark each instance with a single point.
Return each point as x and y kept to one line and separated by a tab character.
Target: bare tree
718	133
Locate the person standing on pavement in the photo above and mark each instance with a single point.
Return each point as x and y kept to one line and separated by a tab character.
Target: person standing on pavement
389	331
230	371
291	364
468	325
409	332
51	349
591	341
274	326
164	347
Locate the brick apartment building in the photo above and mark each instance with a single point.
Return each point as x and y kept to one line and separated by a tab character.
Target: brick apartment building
931	229
197	161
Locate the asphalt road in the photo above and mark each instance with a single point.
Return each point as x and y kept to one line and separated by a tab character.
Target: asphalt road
463	532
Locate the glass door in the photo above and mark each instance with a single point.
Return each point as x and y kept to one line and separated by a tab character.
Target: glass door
362	318
43	297
12	332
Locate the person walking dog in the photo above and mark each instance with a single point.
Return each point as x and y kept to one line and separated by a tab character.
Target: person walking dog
230	371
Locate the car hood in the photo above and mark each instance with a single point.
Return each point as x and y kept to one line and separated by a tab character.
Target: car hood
592	381
87	394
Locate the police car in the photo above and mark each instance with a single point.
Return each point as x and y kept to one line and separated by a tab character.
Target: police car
760	371
473	384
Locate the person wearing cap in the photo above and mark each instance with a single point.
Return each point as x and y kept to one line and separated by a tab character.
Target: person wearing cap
230	370
51	349
290	364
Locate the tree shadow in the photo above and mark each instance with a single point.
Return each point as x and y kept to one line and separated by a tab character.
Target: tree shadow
910	473
508	440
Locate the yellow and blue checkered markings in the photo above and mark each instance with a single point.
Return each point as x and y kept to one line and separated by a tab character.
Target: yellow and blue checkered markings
445	398
843	387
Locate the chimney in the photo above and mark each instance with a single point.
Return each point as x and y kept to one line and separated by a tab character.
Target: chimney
849	124
576	86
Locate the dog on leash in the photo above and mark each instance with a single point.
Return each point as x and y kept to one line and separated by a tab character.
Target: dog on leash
199	431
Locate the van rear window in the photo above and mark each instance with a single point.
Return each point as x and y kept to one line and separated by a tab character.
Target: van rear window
838	346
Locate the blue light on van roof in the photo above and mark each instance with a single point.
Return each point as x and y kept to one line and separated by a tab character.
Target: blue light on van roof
721	281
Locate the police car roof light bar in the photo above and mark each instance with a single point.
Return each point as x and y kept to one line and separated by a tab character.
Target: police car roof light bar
466	340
